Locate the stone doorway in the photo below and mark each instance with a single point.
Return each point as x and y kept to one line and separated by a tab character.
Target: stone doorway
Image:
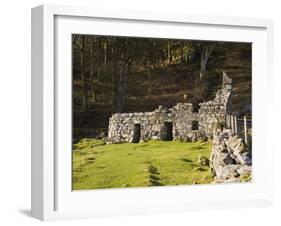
194	125
137	133
167	132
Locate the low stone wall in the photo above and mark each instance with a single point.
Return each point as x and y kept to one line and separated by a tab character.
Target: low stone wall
230	159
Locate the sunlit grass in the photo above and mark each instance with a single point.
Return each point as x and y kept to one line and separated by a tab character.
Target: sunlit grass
152	163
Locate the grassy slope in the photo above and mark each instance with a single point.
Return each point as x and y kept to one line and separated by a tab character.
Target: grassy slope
138	165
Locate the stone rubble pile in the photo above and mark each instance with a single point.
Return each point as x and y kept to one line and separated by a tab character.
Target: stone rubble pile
230	159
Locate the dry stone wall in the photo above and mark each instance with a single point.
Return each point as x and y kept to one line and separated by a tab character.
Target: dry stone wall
178	122
230	159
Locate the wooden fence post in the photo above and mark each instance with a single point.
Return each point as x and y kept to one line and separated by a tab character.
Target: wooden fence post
235	124
245	130
232	123
226	120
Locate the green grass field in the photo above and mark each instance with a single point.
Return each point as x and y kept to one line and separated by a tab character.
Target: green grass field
152	163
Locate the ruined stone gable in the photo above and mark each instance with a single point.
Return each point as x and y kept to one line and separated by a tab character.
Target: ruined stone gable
176	123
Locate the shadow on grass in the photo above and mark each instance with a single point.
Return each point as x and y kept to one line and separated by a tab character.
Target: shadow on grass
186	160
154	179
91	159
153	170
199	169
198	147
155	183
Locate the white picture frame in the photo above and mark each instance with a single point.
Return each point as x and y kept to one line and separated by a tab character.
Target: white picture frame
52	197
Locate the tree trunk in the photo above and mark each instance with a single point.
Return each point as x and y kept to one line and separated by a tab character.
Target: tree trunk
120	90
114	72
83	75
169	52
124	68
182	53
92	71
205	55
104	49
148	68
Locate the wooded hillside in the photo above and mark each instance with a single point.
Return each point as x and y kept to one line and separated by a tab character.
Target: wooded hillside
122	74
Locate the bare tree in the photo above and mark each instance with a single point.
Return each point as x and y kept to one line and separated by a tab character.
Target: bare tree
92	67
114	69
169	51
124	67
205	51
105	52
83	74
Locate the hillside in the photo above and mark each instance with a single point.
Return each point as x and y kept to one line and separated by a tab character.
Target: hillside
144	87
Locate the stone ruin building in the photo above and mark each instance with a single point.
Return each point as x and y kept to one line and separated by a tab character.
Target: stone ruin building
177	123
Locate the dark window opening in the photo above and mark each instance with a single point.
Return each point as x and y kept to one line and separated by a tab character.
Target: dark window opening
194	125
195	107
167	132
137	133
